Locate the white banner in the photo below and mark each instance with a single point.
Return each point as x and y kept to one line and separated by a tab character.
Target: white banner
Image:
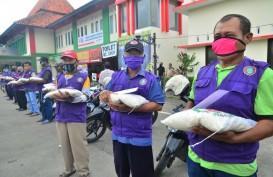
91	39
109	50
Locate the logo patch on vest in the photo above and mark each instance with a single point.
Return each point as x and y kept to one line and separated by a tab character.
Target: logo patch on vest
80	79
143	82
250	70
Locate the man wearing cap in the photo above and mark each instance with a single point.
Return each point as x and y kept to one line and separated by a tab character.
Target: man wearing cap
107	72
45	104
132	132
71	117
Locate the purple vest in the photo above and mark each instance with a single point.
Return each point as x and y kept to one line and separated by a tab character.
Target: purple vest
242	83
135	124
71	112
28	86
39	87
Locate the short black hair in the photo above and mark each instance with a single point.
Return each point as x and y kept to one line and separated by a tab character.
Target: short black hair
107	65
44	59
245	23
28	63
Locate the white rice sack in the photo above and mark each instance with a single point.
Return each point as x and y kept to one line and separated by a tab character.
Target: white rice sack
49	87
72	92
132	100
105	81
184	120
23	80
177	84
36	79
13	83
215	121
114	98
9	78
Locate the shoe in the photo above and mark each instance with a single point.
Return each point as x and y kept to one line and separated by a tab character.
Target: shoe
14	103
45	122
67	174
22	109
9	99
29	113
40	120
18	109
34	115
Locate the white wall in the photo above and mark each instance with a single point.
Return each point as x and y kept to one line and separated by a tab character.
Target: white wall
257	50
44	40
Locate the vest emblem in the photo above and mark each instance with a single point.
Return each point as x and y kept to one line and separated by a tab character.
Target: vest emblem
80	79
250	70
143	81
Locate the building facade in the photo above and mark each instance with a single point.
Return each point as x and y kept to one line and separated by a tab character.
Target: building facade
204	14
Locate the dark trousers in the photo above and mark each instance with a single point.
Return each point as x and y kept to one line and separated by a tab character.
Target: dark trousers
15	95
135	159
9	91
46	107
21	98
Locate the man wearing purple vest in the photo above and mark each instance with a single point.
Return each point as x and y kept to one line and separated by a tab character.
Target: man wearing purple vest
71	117
132	131
45	104
250	84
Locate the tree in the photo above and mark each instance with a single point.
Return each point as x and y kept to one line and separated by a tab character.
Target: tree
187	63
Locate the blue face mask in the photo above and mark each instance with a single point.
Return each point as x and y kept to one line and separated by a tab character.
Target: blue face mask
133	62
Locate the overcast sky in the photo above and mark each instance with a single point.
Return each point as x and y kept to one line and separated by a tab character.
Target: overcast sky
13	10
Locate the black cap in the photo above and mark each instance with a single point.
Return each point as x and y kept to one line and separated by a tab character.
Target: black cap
107	65
44	59
134	44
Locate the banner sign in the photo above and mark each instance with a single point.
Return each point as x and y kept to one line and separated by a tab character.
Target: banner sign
109	50
91	39
89	56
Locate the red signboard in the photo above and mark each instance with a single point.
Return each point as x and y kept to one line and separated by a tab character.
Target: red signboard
89	56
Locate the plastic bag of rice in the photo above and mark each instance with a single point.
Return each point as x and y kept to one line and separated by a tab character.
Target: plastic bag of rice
12	82
49	87
23	80
132	100
213	120
36	79
72	92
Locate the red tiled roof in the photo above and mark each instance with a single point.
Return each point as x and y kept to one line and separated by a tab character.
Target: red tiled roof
40	19
60	6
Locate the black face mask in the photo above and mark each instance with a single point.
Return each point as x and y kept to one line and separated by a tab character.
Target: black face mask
69	67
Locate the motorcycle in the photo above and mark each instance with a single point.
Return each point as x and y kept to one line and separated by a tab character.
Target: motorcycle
176	144
98	118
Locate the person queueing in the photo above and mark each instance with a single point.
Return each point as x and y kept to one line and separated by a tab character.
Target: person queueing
30	91
71	117
45	104
20	92
132	133
232	154
107	72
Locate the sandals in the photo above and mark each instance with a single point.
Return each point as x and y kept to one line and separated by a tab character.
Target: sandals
67	174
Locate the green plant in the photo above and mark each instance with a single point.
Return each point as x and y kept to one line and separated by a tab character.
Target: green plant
187	63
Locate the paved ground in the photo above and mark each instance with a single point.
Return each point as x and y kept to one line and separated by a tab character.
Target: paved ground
31	150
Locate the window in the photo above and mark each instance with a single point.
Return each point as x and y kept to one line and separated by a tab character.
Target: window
92	27
62	41
270	52
123	18
78	32
258	30
82	31
210	56
101	24
111	24
142	14
85	30
173	16
155	13
66	39
96	26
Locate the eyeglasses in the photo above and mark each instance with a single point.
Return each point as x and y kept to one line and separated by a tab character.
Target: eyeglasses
133	53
